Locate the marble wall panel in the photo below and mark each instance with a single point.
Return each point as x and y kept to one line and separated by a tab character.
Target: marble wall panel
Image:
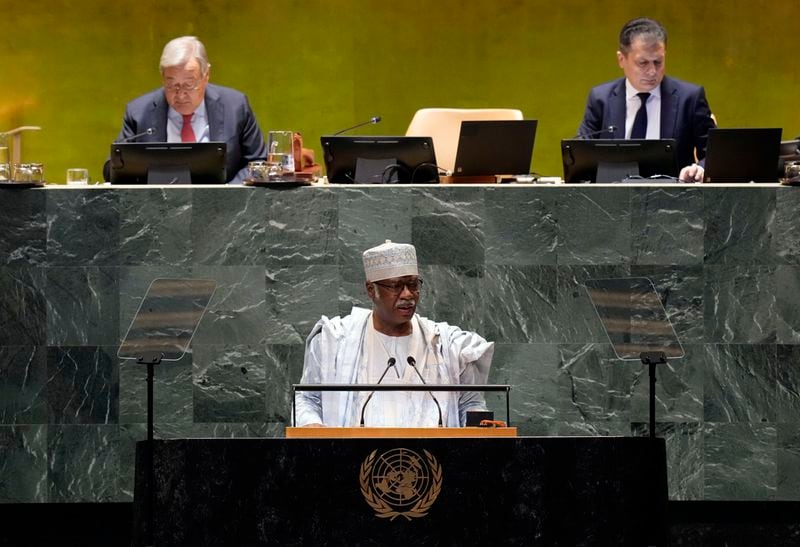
520	303
236	313
788	384
23	464
367	217
508	263
24	221
455	295
787	313
740	461
23	377
82	306
739	226
302	227
284	365
786	228
597	384
296	297
447	226
83	227
594	226
172	391
229	383
23	316
788	461
667	226
228	227
740	304
155	227
740	383
575	315
82	385
521	228
679	388
538	406
83	463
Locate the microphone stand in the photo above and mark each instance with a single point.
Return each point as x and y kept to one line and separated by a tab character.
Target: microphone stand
389	365
413	364
374	119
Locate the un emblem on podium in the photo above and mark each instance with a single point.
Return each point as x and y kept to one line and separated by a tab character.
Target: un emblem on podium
400	482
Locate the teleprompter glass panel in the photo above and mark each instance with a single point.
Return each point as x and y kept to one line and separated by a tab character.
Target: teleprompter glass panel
167	318
633	317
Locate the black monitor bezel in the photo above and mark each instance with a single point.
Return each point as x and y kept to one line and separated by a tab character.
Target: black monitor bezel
654	158
415	154
160	162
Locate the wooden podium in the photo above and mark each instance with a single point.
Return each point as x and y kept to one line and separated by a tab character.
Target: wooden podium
398	432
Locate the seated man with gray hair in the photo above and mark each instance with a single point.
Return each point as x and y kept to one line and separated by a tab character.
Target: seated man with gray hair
189	109
358	347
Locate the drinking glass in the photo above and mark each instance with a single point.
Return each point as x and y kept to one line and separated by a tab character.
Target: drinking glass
280	154
5	167
77	176
791	170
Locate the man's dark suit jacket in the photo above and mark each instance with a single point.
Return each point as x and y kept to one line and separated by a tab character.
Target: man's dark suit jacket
230	120
685	116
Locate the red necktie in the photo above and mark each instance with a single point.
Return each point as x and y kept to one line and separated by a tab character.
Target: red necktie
187	133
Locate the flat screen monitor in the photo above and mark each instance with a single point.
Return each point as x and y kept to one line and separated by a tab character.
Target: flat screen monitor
379	160
495	147
168	163
743	154
616	160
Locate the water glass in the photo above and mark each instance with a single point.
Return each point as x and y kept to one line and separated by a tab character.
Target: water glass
258	170
280	154
791	170
22	172
77	176
5	167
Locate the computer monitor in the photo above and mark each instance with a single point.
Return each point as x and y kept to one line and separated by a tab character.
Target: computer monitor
615	160
379	160
742	154
495	147
168	163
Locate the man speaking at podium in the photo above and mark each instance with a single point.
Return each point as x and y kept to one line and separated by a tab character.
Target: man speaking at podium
189	109
391	344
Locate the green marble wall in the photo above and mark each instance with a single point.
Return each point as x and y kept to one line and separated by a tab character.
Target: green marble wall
506	261
320	65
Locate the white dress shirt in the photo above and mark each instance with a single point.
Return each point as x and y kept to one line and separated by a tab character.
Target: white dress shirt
653	111
199	124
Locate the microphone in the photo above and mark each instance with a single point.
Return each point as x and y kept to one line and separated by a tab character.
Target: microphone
374	119
413	364
148	131
389	365
609	129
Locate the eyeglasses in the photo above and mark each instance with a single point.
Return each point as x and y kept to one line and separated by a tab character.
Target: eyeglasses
185	87
397	287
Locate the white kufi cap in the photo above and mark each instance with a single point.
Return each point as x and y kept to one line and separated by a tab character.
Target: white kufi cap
390	260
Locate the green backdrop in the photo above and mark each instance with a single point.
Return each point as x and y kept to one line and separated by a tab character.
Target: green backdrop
316	66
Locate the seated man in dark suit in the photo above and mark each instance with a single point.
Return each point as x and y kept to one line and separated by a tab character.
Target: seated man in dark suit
648	104
189	109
